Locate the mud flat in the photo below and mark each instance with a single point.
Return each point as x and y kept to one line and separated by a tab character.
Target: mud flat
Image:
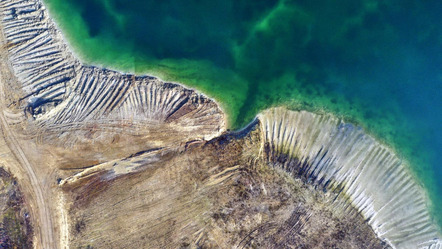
110	159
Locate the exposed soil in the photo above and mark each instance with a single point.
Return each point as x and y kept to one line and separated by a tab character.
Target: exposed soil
212	194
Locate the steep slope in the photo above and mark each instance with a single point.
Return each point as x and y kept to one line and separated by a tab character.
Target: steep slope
64	124
60	116
338	156
55	88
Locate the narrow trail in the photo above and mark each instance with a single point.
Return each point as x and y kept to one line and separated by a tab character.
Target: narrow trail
45	231
59	91
46	227
69	98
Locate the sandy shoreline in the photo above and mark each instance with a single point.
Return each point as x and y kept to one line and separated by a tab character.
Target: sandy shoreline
79	93
45	72
77	56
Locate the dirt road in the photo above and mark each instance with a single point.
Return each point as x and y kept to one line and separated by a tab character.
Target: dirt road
32	186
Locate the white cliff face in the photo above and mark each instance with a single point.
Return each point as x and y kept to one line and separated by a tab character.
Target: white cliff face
108	96
57	89
82	111
341	157
37	54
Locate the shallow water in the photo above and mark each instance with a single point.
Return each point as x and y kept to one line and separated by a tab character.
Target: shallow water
376	63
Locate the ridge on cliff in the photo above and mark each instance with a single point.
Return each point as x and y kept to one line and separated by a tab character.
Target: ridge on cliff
337	156
55	88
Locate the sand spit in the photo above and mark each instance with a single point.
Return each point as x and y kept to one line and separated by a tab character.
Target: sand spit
340	157
77	137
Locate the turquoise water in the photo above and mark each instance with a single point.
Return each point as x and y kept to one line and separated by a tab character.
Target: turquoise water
375	63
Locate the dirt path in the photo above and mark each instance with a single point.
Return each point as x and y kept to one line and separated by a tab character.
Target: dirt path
45	232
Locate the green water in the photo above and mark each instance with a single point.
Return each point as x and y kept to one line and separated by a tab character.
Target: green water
376	63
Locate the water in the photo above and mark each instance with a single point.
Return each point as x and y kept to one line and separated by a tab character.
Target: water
375	63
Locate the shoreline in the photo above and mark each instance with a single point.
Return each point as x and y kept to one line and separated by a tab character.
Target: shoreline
77	55
330	153
79	64
347	119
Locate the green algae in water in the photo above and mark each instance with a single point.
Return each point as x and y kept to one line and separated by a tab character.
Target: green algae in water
375	63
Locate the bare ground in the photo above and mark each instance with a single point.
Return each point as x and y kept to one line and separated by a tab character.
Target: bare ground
214	194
